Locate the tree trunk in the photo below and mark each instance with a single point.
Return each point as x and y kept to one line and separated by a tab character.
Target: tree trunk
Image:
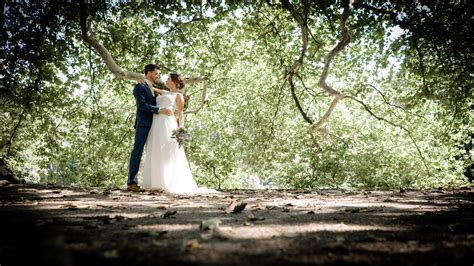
7	174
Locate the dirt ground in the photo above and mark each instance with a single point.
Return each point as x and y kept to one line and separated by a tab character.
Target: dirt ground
50	225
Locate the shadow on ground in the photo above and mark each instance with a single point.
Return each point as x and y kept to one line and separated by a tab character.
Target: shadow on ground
65	226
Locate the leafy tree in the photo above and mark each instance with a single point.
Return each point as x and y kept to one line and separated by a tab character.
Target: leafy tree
323	94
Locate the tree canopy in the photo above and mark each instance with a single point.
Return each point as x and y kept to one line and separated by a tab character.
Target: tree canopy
299	94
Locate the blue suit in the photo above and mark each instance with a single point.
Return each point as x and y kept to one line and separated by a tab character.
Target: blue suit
146	108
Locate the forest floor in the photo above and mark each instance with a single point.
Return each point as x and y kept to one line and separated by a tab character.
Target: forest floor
52	225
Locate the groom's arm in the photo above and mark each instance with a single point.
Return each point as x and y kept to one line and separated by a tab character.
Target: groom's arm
139	93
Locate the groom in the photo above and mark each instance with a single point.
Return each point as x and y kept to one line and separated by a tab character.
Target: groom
146	108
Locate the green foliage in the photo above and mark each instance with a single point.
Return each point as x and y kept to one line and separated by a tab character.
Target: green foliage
66	119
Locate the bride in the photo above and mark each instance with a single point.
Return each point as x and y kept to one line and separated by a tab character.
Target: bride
166	166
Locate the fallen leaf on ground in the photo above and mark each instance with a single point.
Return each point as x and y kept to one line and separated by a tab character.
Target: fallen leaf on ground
236	206
193	244
70	206
169	213
209	224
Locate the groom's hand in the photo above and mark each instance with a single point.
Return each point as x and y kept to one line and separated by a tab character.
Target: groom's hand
166	111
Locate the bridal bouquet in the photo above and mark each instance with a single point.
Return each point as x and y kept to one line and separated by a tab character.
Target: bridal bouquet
181	135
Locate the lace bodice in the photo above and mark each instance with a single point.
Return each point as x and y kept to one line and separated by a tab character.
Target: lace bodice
167	100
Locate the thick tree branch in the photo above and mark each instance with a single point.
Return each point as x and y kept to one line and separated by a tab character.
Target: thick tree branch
304	34
304	46
90	39
317	126
345	40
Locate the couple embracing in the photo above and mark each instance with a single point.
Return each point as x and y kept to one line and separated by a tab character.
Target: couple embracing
166	167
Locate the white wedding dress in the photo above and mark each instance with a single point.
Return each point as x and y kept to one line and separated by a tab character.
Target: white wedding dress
166	166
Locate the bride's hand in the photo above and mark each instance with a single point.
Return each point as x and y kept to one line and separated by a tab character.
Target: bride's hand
142	81
166	111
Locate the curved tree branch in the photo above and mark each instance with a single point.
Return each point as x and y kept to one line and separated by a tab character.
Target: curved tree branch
317	126
345	40
304	46
304	34
90	39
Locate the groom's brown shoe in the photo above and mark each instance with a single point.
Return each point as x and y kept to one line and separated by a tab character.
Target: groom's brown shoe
135	188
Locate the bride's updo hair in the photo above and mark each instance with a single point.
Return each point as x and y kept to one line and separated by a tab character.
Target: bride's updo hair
178	80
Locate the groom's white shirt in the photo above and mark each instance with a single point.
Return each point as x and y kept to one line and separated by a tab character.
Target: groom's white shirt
150	86
148	82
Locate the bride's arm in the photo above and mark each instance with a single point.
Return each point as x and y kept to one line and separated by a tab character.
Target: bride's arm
142	81
180	106
158	91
